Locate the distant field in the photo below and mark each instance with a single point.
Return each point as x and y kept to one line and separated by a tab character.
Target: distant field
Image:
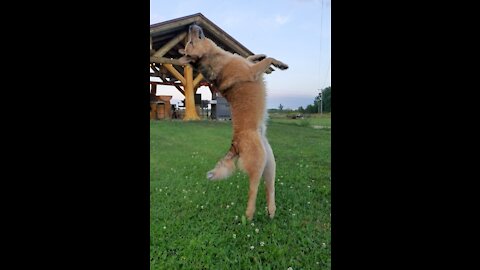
312	120
197	224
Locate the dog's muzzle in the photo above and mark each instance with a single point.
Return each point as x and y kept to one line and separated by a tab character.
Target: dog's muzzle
195	31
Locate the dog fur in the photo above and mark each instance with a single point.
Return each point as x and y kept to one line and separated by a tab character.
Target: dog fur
240	81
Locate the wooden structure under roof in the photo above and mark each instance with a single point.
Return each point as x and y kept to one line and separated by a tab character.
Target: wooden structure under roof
170	36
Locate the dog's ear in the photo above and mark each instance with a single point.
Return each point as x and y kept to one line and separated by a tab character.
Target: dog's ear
181	51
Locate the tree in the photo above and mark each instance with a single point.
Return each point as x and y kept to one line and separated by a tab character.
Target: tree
326	99
280	107
311	109
301	109
326	102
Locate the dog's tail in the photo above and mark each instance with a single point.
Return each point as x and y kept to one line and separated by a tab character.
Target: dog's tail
226	166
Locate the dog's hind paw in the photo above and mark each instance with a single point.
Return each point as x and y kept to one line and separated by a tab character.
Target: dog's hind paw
213	175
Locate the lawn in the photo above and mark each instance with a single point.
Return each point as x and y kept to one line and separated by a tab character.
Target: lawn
198	224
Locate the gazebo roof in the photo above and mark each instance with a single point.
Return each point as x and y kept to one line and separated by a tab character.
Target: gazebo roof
163	32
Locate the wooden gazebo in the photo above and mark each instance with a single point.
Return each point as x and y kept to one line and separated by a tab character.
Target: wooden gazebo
166	38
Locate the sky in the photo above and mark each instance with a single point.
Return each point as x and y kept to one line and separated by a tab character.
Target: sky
296	32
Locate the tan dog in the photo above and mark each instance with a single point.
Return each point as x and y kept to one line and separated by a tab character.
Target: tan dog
240	81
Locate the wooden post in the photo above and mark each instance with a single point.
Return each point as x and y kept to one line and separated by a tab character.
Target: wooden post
190	112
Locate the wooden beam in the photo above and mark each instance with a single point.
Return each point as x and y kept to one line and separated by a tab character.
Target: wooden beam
166	82
179	89
156	71
163	60
198	79
175	73
165	48
155	68
152	51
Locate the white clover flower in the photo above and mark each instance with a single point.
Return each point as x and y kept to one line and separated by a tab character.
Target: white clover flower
253	224
257	230
236	217
228	206
234	236
164	227
201	206
232	203
248	235
308	202
262	244
290	268
324	245
252	247
308	186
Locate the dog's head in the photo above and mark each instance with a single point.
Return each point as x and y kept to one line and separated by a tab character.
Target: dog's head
197	45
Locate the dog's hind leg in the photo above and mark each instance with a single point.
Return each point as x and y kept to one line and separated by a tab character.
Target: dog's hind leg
269	178
225	166
252	160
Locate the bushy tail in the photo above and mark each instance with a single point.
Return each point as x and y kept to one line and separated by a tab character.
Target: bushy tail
225	167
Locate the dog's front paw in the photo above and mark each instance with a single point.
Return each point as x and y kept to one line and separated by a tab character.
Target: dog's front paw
256	57
281	65
184	60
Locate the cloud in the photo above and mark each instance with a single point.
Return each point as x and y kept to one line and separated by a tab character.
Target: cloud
279	19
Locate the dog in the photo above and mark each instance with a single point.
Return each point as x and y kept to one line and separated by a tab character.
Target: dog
240	81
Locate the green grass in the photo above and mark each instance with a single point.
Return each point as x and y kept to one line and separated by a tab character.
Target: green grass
197	224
